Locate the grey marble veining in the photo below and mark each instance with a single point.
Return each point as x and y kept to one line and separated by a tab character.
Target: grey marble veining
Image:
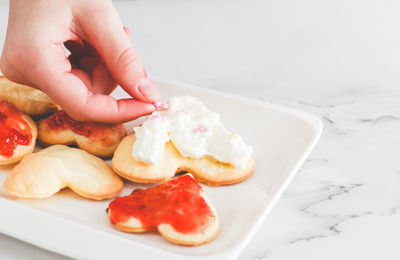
337	59
344	202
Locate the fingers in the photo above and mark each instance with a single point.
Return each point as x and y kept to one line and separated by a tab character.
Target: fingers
101	80
105	32
79	49
81	104
75	47
88	63
35	57
84	57
72	90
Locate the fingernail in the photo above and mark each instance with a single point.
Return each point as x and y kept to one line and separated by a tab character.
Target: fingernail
151	107
148	90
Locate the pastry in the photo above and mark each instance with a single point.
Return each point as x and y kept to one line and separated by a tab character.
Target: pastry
185	137
26	99
205	169
42	174
96	138
178	209
17	134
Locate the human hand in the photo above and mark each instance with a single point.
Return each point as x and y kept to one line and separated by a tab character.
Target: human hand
102	56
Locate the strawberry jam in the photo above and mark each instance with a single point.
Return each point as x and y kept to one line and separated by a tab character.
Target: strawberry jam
61	121
176	202
14	130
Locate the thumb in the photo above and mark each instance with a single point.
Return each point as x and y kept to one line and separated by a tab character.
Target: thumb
106	34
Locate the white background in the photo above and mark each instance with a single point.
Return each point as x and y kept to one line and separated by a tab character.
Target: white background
338	59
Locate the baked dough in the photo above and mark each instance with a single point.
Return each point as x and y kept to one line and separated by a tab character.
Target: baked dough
42	174
26	99
95	138
206	169
206	233
21	150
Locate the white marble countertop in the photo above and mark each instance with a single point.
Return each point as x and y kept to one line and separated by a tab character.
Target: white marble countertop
338	59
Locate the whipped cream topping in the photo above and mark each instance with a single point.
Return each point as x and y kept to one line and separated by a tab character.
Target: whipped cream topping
194	130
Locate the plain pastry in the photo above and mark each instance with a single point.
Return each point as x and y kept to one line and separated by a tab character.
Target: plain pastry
42	174
26	99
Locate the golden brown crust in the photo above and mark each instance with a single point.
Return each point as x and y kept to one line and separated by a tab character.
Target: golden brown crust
183	242
103	146
205	169
42	174
28	100
126	166
210	236
125	228
22	150
244	175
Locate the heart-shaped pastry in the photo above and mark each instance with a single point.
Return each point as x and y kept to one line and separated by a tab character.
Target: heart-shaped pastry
96	138
183	136
178	209
26	99
17	134
205	169
42	174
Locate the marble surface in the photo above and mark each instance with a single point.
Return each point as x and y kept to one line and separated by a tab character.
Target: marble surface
337	59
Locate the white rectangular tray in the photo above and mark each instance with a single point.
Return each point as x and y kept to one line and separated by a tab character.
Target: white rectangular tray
282	139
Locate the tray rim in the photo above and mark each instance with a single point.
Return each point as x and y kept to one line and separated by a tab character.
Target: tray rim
15	212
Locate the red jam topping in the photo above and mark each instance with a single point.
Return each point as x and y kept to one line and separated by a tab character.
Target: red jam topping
176	202
61	121
14	130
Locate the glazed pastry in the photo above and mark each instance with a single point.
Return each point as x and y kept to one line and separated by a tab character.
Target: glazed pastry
17	134
178	209
96	138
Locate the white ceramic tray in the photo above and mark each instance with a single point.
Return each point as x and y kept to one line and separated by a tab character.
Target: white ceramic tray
282	139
